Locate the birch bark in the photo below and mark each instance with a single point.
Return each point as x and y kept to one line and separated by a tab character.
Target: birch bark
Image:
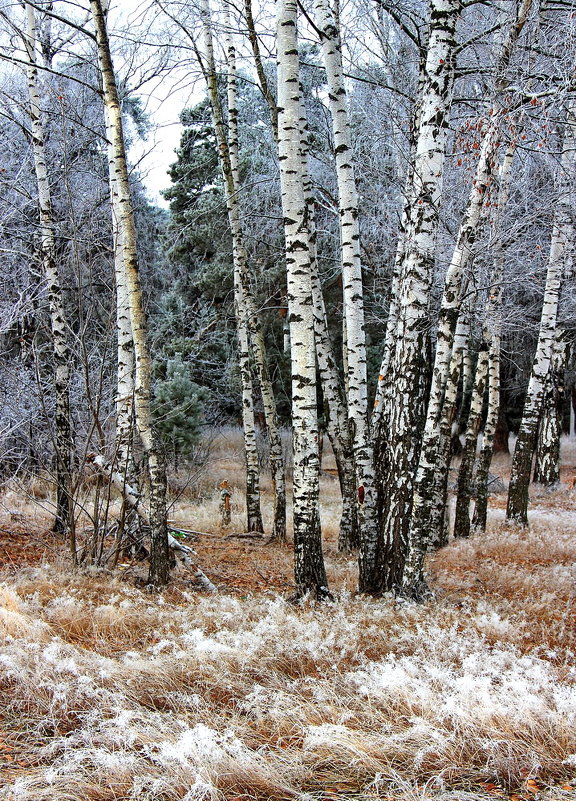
464	490
403	418
547	463
239	256
256	337
438	535
454	287
309	569
64	522
353	293
493	332
123	214
333	392
560	260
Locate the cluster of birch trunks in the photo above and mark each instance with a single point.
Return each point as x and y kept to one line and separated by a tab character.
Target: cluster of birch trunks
393	454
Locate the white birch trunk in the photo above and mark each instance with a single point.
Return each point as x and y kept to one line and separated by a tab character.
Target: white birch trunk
333	392
547	463
465	474
64	522
438	533
560	260
353	293
493	333
230	174
310	574
402	417
454	288
256	338
123	214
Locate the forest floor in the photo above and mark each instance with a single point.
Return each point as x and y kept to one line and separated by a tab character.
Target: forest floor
110	693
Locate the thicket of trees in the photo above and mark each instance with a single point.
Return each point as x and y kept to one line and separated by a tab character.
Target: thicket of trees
370	236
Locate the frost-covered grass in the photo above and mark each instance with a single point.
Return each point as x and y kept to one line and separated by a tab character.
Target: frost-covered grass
107	692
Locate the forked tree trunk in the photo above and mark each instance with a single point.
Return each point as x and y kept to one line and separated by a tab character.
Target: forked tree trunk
64	522
353	293
123	213
310	574
403	416
559	262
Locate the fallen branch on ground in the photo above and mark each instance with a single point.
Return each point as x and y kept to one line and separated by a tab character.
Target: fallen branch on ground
132	498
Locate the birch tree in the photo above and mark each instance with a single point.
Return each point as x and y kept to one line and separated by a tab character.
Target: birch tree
493	329
353	293
382	561
227	153
131	297
547	462
454	287
310	574
64	522
560	262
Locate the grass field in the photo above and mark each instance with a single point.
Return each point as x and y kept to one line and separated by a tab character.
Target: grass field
108	692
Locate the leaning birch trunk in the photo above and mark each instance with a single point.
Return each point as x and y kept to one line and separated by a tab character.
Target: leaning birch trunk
454	287
124	214
310	574
229	166
353	293
547	466
64	522
559	262
465	474
493	331
403	416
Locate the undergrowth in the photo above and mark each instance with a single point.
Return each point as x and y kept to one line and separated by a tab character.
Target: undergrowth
109	693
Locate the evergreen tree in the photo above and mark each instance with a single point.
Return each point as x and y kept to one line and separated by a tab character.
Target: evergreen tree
178	409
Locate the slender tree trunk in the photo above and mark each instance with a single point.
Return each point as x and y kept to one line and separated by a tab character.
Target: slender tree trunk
123	212
559	260
333	392
64	522
228	156
246	308
403	418
493	334
465	474
354	333
310	574
438	535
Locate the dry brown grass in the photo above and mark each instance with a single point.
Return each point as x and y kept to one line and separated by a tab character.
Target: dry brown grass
107	692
